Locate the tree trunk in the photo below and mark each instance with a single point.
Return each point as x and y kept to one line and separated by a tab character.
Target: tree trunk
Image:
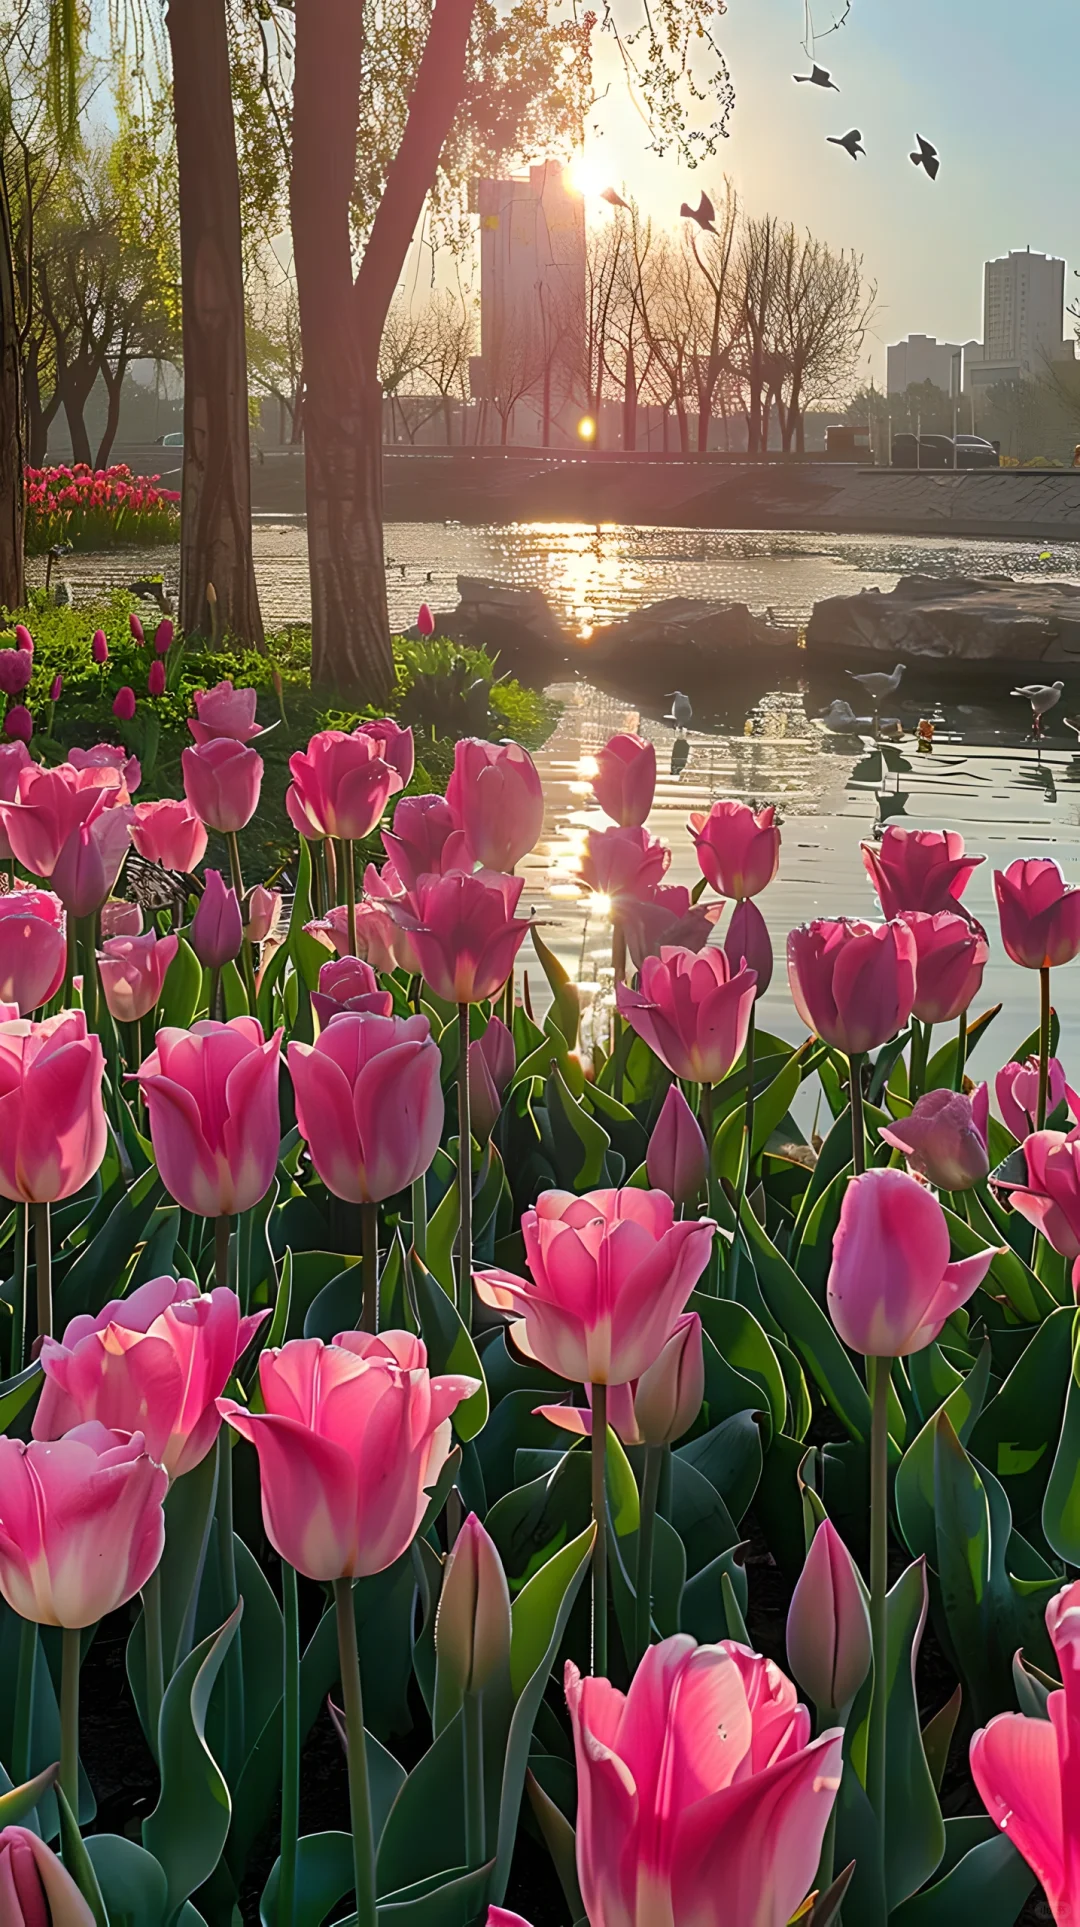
215	535
630	395
114	382
74	394
12	461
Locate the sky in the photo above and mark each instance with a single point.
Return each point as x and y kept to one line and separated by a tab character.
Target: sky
993	83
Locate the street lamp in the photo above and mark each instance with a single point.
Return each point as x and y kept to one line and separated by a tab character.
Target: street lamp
586	429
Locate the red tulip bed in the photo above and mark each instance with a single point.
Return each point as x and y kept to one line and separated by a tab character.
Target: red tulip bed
93	508
446	1410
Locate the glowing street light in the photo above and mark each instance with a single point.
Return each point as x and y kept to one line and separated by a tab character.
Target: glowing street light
586	429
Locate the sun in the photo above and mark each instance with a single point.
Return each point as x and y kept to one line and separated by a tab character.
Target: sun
587	176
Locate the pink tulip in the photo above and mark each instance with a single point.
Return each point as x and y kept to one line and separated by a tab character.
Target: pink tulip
50	804
33	948
81	1525
369	1102
88	864
1051	1198
944	1138
14	756
222	781
52	1121
491	1066
663	918
109	756
1025	1770
212	1094
464	932
163	636
155	678
1039	912
120	918
99	648
224	713
395	745
1016	1088
153	1362
384	894
610	1274
169	832
341	786
349	984
138	633
701	1796
425	621
124	704
738	848
376	934
891	1286
132	973
424	840
18	723
472	1626
748	943
658	1407
625	779
853	984
828	1624
950	957
263	911
350	1440
677	1161
691	1012
497	800
56	688
217	928
23	638
623	864
36	1890
16	669
919	870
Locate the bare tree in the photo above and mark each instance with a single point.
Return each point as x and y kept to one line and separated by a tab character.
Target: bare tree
401	356
512	367
756	280
715	312
820	311
628	347
275	360
603	254
448	332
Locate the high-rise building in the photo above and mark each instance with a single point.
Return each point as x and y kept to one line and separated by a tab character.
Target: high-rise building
923	358
1023	319
532	291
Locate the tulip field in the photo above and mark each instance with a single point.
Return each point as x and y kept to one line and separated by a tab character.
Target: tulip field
539	1464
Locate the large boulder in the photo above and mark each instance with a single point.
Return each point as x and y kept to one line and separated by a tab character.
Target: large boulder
957	620
517	625
680	642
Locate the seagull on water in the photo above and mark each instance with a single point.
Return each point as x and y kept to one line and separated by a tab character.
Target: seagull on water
1042	696
877	684
842	720
682	710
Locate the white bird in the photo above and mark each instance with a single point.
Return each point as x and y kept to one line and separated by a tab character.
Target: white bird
842	720
1073	723
682	710
1042	696
877	684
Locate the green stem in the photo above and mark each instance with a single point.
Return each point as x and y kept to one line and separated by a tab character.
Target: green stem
350	892
71	1660
419	1217
599	1513
858	1127
879	1373
214	999
823	1879
221	1250
233	1669
472	1743
39	1216
24	1703
465	1173
359	1791
961	1052
22	1271
247	963
920	1052
1044	1045
290	1749
650	1488
618	971
235	871
71	965
330	855
155	1655
86	933
369	1315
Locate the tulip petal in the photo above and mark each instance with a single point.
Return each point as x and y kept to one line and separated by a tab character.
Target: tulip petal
1014	1763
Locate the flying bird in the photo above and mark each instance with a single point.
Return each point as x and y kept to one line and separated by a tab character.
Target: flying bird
851	142
927	157
703	214
1042	696
613	198
818	77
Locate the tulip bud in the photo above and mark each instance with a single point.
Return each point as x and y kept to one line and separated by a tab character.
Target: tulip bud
472	1626
99	648
748	942
23	638
124	704
55	688
217	928
18	723
669	1394
263	910
16	669
155	681
119	918
163	636
944	1138
137	630
677	1161
35	1887
425	621
828	1626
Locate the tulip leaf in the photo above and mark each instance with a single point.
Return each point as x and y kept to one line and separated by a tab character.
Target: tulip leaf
17	1392
813	1255
808	1330
451	1899
990	1884
132	1884
747	1352
337	1307
1015	1435
93	1278
581	1144
730	1457
776	1099
914	1835
182	989
710	1599
450	1348
937	1736
557	1835
565	994
77	1861
699	1516
324	1875
1061	1504
941	1070
622	1489
187	1829
914	1488
1008	1273
513	1424
19	1801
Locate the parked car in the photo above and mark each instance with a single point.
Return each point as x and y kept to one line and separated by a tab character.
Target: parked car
974	451
174	439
